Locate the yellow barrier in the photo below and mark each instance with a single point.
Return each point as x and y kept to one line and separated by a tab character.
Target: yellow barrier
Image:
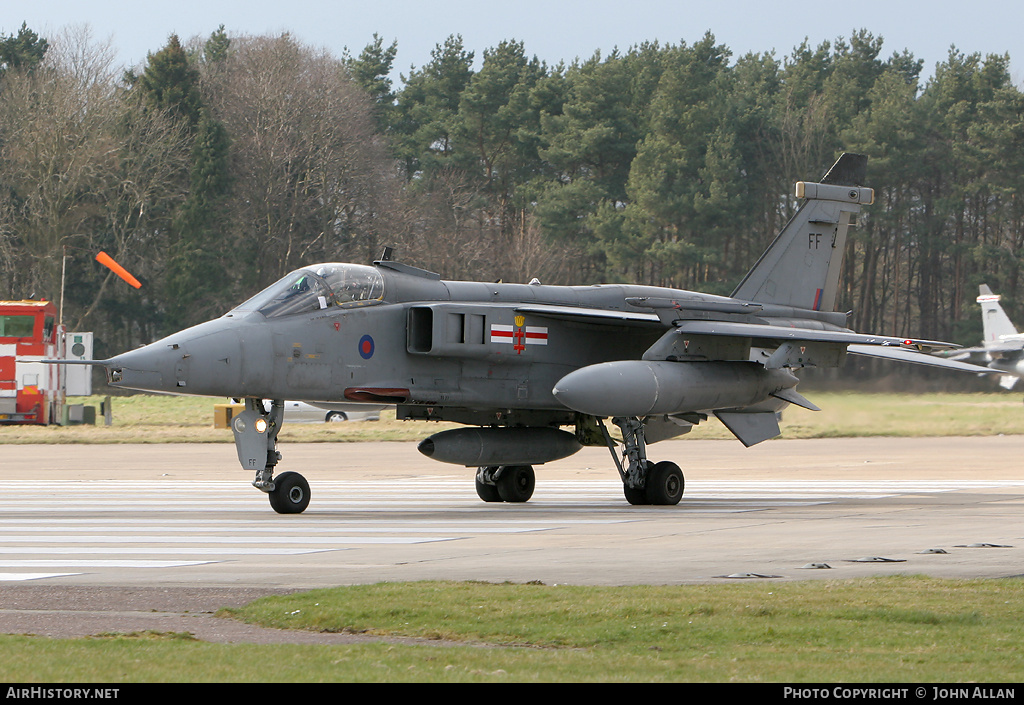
223	413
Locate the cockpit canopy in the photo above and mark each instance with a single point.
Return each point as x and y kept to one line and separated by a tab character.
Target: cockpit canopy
318	287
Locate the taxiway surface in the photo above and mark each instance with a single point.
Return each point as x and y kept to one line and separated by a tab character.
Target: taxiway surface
150	520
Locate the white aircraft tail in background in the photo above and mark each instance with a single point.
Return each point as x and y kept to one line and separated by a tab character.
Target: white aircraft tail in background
1003	347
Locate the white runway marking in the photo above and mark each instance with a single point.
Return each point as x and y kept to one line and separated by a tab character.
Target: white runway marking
106	527
84	526
158	551
96	564
16	577
207	539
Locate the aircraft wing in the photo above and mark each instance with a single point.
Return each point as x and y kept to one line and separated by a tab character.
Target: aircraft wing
904	355
593	315
769	335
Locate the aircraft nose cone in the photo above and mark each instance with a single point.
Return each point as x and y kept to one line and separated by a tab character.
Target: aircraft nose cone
204	359
146	368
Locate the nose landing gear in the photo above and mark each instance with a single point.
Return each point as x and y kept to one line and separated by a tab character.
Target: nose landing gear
255	431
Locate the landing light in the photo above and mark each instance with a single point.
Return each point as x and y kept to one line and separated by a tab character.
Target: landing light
261	425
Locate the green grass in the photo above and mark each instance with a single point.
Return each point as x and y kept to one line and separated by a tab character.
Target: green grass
894	629
848	414
168	419
148	418
880	630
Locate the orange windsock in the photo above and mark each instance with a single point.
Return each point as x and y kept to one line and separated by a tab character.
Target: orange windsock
106	260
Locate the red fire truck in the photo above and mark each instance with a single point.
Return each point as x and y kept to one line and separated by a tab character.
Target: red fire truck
30	390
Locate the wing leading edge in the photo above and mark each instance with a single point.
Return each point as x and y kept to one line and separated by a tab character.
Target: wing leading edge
918	358
773	335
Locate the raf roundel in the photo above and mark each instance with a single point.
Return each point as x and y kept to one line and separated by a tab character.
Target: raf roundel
366	347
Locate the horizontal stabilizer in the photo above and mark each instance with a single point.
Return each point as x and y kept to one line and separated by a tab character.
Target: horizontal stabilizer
973	354
1004	352
750	429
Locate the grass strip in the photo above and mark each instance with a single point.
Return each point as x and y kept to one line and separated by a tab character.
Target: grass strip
145	418
892	629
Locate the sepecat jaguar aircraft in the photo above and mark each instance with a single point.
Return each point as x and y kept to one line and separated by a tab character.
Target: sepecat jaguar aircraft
519	364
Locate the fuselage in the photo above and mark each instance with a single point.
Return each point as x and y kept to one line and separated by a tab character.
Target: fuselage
393	334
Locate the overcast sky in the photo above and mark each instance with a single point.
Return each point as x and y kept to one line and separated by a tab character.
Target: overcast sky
553	30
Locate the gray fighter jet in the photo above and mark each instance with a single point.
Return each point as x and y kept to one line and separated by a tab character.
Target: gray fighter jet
518	364
1002	349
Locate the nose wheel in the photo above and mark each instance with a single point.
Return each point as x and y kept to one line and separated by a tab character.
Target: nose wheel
255	431
290	494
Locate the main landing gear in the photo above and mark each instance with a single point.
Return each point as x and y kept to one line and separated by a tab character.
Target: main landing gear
505	483
643	482
256	432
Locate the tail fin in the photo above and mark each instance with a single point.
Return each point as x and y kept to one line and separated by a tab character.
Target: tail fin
996	323
801	266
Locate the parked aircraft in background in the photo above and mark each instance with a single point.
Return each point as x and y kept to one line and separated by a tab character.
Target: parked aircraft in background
518	363
1002	348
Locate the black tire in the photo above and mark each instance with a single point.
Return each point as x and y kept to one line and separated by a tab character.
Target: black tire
638	496
634	496
335	416
516	483
665	484
291	493
488	493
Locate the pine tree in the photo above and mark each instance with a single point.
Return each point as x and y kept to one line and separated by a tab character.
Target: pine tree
428	107
371	70
171	83
24	50
195	268
216	48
